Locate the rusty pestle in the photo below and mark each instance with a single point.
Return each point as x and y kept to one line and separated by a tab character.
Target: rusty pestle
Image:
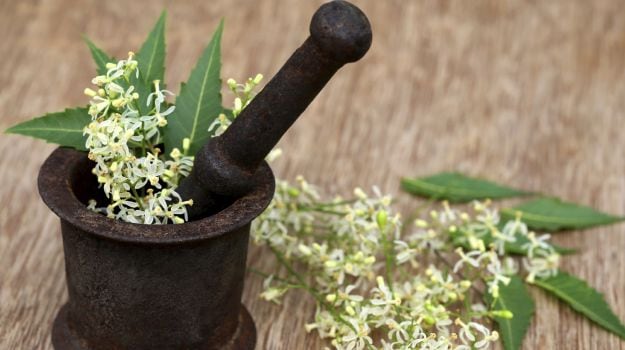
225	166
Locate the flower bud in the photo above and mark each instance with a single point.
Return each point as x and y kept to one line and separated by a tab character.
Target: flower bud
369	260
429	320
358	192
507	314
380	282
116	195
330	264
175	153
119	102
421	223
350	310
90	92
331	298
258	78
238	104
382	219
305	250
349	268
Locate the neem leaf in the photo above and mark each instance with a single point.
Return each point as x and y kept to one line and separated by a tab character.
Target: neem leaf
457	187
144	89
199	102
552	214
63	128
514	298
99	56
151	56
584	299
151	64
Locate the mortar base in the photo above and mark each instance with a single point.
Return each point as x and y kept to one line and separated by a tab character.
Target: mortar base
64	339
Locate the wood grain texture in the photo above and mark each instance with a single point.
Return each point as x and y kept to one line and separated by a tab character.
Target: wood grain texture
529	93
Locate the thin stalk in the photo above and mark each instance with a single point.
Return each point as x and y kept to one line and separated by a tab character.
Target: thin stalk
309	289
389	259
458	274
279	279
138	198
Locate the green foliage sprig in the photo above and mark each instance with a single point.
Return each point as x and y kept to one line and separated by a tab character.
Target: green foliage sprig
543	213
142	144
448	278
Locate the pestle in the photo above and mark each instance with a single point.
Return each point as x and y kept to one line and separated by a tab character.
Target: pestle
225	166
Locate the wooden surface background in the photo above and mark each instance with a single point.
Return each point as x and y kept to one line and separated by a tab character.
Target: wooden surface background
529	93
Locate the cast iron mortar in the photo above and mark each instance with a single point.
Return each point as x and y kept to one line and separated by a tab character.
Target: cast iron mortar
136	286
179	286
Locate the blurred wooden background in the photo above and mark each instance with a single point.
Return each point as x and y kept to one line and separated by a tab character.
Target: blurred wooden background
529	93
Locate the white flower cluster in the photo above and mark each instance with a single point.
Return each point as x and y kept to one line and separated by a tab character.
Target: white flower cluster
488	240
379	287
139	182
244	93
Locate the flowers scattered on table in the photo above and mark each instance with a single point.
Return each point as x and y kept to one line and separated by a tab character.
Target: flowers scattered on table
419	285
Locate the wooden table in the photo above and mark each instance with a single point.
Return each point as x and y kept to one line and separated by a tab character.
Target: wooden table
529	93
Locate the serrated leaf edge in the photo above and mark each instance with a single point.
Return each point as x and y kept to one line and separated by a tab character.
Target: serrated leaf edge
160	28
609	219
572	302
100	57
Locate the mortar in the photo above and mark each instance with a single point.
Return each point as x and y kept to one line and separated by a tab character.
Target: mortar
135	286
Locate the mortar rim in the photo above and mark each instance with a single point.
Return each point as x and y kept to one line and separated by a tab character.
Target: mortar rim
56	191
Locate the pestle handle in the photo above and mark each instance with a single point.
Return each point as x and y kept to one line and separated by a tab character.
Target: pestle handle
224	167
339	34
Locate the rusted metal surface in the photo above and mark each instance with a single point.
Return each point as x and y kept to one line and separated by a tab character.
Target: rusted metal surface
149	286
226	166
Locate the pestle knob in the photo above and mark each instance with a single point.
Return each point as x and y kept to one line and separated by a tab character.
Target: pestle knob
225	166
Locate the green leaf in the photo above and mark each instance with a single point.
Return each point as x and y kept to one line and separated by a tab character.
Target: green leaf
514	298
99	56
199	102
151	56
144	89
457	187
584	299
151	65
552	214
63	128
